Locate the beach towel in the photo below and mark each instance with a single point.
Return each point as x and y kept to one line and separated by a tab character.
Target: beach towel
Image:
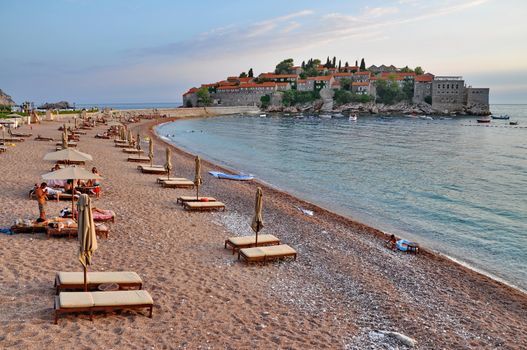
6	230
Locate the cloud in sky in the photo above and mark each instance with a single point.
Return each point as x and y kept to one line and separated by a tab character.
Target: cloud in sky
413	32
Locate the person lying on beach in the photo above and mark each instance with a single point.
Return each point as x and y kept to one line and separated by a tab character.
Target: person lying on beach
392	243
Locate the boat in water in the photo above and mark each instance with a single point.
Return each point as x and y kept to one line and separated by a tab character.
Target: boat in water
484	120
353	118
501	117
325	116
513	123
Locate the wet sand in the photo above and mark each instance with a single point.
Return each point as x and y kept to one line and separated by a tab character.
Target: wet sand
344	287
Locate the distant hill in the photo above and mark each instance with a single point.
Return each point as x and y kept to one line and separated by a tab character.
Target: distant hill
5	99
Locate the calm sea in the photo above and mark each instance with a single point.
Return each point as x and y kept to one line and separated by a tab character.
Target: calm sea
451	184
158	105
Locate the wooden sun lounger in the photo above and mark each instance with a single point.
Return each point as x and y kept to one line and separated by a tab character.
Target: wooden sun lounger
16	134
132	151
160	180
123	145
183	199
152	170
120	142
140	159
73	231
41	138
201	206
237	243
265	254
70	144
140	167
3	148
74	302
13	139
75	280
62	196
177	184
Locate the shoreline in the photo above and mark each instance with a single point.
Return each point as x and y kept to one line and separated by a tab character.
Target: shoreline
344	288
377	232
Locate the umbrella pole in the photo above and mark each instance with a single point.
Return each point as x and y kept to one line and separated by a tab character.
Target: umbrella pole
73	199
85	279
256	240
197	192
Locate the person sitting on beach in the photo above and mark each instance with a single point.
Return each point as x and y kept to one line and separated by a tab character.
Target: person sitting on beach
68	187
392	243
56	167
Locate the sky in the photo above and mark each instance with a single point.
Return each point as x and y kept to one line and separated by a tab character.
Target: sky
138	51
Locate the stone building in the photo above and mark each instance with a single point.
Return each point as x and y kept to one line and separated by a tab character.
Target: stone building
382	68
305	85
361	77
190	98
422	87
448	94
243	95
321	82
360	87
280	78
477	100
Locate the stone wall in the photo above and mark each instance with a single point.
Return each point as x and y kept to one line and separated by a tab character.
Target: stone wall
448	95
421	90
190	99
240	98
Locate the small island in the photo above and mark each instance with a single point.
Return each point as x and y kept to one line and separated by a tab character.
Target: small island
337	87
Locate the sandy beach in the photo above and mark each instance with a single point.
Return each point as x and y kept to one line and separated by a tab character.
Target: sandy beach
342	291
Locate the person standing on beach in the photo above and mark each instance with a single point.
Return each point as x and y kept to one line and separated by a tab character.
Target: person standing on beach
40	192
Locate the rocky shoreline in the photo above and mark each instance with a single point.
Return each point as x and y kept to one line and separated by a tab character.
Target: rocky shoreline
372	108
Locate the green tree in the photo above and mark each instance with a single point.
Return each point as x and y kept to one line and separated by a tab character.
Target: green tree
406	70
388	91
284	67
345	84
293	97
419	71
408	89
204	96
251	74
362	65
265	101
428	99
243	75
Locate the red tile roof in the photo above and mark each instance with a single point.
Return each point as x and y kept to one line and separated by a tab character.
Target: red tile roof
277	76
363	73
343	74
425	78
190	91
321	78
228	88
245	80
226	83
282	84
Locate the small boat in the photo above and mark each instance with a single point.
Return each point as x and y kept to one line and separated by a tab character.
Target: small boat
426	117
353	118
325	116
513	123
237	177
263	115
501	117
485	120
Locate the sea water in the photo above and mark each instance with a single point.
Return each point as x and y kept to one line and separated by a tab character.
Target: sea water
451	184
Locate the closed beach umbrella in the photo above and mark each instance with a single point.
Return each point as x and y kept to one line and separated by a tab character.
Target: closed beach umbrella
75	122
86	234
138	145
71	173
197	176
64	140
151	151
257	223
68	155
130	138
168	162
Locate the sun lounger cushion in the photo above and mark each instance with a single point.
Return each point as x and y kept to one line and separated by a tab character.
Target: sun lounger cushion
193	199
119	277
122	297
282	249
178	183
70	300
245	240
103	214
203	205
256	252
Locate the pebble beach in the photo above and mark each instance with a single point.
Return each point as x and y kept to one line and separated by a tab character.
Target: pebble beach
346	290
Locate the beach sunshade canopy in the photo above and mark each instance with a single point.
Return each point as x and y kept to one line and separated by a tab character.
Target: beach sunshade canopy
197	176
86	234
68	154
73	173
14	115
257	223
168	162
